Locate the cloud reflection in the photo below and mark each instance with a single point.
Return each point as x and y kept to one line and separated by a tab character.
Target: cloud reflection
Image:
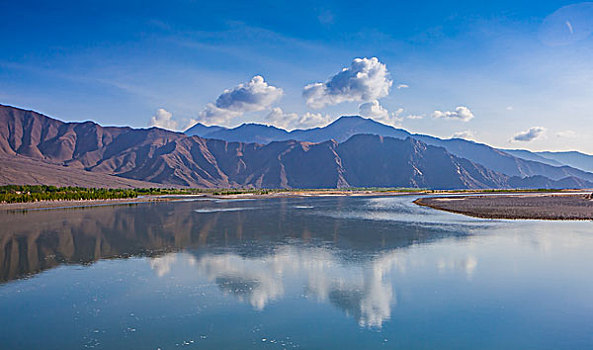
467	265
362	291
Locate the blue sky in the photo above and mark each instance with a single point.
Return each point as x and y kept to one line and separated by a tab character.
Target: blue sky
523	70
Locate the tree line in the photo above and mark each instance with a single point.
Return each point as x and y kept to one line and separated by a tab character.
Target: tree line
34	193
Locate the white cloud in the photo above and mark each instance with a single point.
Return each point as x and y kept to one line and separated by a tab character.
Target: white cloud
163	119
509	108
402	86
366	79
414	116
313	119
278	118
256	95
466	134
373	110
379	113
290	121
570	134
530	134
214	115
460	113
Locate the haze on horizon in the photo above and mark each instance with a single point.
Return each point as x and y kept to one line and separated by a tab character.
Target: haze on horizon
512	74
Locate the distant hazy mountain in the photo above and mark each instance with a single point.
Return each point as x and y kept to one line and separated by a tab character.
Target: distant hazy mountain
573	158
345	127
544	182
200	129
534	156
32	142
340	130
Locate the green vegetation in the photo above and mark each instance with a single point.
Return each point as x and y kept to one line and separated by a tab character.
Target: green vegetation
34	193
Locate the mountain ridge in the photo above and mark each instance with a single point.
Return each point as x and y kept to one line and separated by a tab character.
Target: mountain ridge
344	127
169	158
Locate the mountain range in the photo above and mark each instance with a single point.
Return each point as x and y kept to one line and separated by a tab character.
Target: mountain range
574	159
520	163
351	152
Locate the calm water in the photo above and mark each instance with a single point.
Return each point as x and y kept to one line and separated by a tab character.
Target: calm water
319	273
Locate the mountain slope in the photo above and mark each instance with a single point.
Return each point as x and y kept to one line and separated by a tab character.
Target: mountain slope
572	158
345	127
20	170
544	182
528	155
361	161
170	158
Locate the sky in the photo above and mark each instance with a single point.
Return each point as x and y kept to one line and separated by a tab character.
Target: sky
512	74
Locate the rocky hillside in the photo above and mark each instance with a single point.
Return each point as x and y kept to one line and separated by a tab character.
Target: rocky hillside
526	164
163	157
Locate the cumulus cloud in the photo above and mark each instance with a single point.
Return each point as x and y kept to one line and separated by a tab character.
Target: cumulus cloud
466	134
379	113
293	120
460	113
255	95
214	115
373	110
402	86
529	135
313	119
279	118
163	119
366	79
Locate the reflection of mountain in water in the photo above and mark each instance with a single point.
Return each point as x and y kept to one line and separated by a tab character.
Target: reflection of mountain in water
37	240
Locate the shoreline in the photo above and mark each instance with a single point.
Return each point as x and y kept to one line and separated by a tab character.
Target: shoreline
68	204
554	207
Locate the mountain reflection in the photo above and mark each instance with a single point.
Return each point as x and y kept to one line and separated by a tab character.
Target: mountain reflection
246	253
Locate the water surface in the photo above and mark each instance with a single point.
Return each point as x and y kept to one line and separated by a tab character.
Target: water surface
334	272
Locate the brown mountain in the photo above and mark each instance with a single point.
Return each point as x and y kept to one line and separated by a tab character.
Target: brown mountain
170	158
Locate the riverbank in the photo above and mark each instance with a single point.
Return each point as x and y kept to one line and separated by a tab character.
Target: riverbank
524	206
263	194
64	204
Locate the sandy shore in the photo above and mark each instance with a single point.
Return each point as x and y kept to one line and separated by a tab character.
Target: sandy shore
525	206
64	204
